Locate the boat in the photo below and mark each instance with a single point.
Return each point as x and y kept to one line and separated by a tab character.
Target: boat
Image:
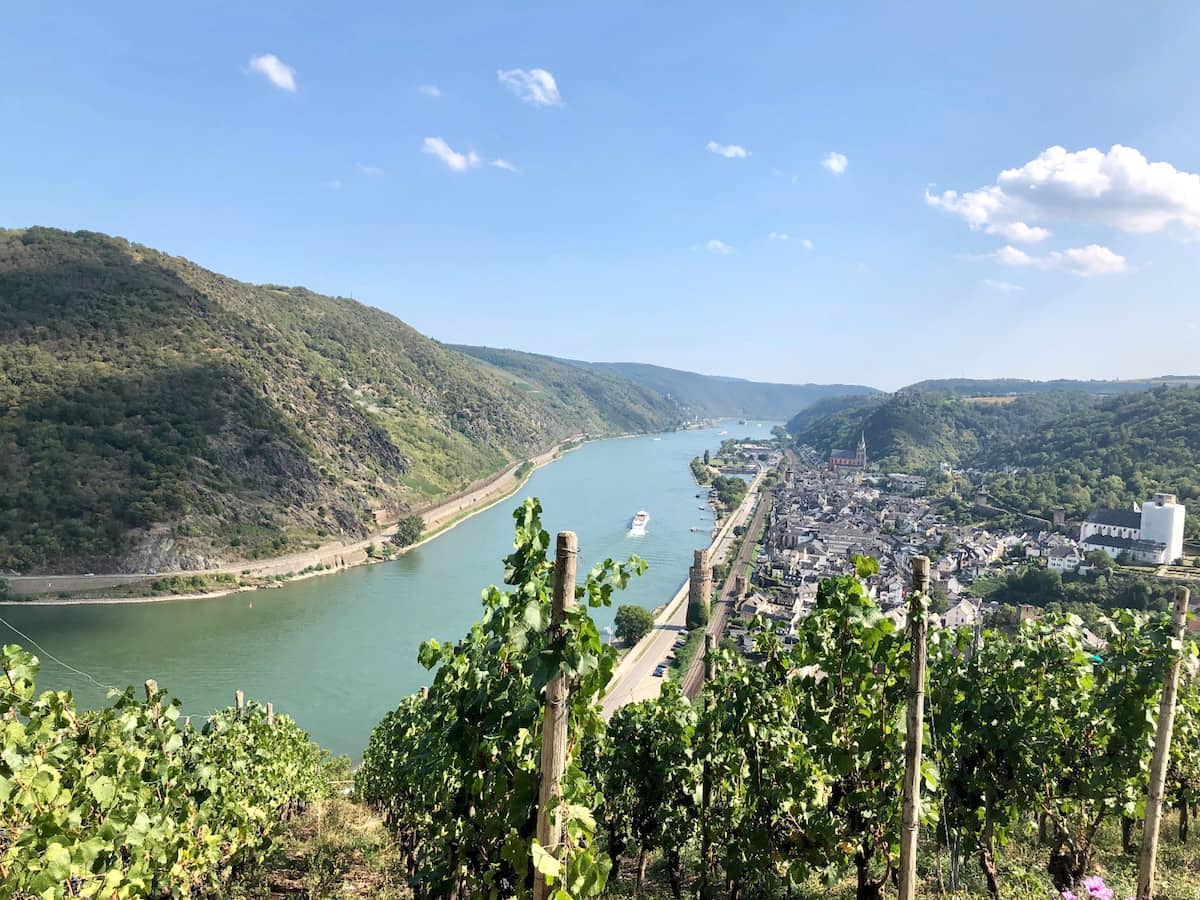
638	526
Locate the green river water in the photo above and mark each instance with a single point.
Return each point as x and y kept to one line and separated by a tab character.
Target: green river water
337	652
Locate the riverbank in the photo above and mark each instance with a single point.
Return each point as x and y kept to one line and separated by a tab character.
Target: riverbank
328	560
633	677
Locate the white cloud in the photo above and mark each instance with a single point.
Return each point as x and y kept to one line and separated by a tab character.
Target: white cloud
277	72
729	151
458	162
535	86
836	163
806	243
719	247
430	90
1085	261
369	170
334	184
779	236
979	210
1006	286
505	165
1119	189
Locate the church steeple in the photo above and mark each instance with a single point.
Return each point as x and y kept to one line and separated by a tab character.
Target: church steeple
861	457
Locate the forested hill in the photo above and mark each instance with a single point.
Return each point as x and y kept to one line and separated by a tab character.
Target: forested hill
914	432
695	395
1001	387
155	414
1072	450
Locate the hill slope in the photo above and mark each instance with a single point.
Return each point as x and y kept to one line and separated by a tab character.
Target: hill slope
992	387
695	395
153	413
915	432
1072	450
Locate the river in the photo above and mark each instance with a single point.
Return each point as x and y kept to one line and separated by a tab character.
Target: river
337	652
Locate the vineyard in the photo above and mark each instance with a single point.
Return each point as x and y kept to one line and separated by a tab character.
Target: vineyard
786	774
788	771
131	800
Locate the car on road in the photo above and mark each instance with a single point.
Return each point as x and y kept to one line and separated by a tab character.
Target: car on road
659	671
89	574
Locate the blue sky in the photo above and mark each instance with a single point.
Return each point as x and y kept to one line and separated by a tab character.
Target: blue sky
623	235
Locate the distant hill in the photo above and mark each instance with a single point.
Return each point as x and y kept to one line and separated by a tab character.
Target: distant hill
156	414
694	395
1072	449
915	432
1000	387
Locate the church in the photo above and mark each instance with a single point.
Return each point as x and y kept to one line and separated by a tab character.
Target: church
840	460
1150	534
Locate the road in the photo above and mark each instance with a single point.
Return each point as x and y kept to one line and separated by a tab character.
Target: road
693	679
634	677
336	553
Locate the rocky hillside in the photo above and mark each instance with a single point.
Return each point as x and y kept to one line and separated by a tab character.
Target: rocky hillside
147	403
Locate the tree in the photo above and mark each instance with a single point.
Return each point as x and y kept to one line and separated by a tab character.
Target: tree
632	623
706	457
408	531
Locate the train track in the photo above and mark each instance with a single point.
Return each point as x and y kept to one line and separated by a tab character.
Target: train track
693	680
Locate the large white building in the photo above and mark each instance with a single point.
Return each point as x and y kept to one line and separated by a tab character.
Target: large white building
1151	534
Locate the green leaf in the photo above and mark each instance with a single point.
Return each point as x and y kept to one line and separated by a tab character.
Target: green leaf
103	789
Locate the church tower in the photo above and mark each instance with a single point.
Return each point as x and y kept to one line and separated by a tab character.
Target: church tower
860	458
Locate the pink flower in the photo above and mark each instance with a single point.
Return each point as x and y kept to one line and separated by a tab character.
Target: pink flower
1097	888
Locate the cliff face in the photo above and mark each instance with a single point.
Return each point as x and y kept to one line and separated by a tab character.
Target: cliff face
153	413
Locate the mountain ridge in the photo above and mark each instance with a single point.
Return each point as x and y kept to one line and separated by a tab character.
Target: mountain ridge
695	394
152	409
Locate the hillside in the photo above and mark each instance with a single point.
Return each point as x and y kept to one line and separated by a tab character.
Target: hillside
1001	387
1072	450
694	395
156	414
623	402
914	432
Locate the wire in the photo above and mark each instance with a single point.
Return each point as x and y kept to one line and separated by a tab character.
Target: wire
49	655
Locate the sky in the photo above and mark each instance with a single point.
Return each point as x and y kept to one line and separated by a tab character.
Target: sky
791	192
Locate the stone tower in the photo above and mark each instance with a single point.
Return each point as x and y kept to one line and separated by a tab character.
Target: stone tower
860	458
699	590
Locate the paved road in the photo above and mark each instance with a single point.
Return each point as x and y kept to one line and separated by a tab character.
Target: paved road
336	553
634	678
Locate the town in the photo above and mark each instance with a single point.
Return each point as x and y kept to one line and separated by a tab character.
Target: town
830	509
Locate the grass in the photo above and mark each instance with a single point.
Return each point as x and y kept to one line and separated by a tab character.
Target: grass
1022	869
339	848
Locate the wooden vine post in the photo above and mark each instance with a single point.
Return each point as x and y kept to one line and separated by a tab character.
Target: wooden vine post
706	854
1162	754
918	627
554	727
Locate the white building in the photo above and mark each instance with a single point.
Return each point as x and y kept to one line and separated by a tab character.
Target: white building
1152	534
1063	559
963	613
